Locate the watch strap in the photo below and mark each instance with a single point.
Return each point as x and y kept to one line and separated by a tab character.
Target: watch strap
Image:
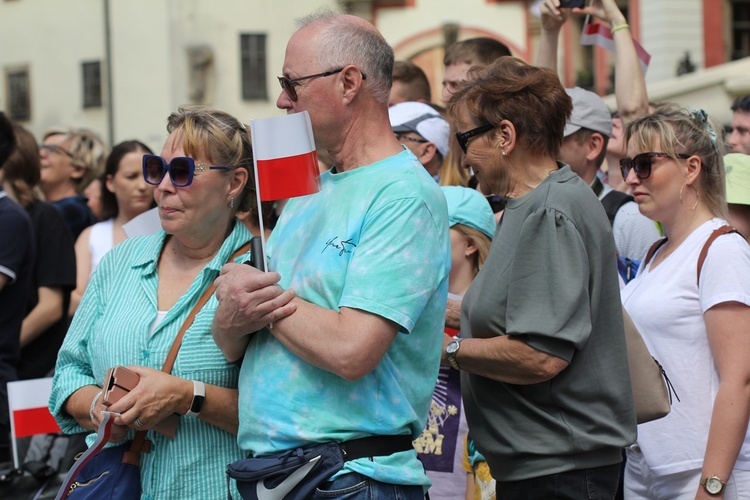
199	395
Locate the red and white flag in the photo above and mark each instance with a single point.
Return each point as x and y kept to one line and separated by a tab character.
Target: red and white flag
27	402
286	164
599	34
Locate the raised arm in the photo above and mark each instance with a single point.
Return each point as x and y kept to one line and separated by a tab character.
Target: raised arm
630	84
553	18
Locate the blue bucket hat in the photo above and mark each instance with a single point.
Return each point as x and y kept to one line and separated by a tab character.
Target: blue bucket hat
469	207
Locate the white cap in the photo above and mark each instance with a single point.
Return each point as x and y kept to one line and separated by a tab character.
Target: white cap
422	119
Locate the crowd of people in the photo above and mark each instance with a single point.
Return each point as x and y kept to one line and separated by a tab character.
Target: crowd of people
448	308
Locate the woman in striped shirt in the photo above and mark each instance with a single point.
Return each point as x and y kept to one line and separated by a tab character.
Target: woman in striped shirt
140	296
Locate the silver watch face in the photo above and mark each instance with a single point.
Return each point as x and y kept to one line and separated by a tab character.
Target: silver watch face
452	347
713	485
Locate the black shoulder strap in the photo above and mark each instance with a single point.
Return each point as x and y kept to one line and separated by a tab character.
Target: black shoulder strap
613	201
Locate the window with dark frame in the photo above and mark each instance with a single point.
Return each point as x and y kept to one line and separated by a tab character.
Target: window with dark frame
92	84
19	94
253	61
740	29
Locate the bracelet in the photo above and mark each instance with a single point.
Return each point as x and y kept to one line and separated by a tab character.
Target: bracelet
619	27
93	404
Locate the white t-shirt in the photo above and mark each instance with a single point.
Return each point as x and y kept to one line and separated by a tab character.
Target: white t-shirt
667	308
101	241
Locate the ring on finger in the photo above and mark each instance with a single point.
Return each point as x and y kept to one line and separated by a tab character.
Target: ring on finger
138	423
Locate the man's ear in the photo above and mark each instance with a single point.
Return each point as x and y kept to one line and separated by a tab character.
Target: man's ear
594	146
353	81
427	153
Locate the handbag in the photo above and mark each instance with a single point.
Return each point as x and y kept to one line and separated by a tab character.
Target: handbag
103	473
115	472
295	474
652	390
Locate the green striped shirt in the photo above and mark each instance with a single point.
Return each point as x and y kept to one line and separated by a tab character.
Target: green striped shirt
111	327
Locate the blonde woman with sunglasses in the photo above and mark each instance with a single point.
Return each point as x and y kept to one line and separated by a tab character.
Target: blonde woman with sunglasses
139	298
693	318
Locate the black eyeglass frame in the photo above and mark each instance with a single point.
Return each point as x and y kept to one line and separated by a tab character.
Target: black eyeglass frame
166	168
54	148
643	171
463	137
288	84
400	136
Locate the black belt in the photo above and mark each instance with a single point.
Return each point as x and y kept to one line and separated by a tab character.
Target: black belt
375	446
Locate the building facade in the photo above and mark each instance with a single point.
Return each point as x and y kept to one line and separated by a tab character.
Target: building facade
120	67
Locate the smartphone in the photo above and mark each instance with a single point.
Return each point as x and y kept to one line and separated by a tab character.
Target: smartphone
117	383
572	4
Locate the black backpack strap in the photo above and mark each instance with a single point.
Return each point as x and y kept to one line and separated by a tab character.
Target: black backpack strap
613	201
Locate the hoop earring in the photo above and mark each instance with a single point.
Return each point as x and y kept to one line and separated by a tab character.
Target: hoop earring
696	194
231	202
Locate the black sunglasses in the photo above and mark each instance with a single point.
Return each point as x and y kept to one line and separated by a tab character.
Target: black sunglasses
290	84
641	164
463	137
180	169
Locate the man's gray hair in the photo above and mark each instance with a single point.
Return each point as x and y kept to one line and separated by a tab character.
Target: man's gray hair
342	42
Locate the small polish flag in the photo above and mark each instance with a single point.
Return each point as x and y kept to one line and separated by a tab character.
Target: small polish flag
28	404
286	164
599	34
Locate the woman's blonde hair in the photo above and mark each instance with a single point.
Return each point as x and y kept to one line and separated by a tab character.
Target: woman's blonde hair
480	240
87	151
686	131
222	139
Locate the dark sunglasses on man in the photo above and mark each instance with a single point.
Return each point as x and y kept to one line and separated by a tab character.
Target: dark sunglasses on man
180	169
289	84
642	163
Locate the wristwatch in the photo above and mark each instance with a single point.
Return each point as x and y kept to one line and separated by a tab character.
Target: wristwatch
712	484
199	395
451	350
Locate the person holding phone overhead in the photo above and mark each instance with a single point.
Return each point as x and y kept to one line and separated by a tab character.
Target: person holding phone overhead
141	295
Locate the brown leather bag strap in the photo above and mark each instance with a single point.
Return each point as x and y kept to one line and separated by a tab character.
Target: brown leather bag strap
172	355
704	251
139	440
651	251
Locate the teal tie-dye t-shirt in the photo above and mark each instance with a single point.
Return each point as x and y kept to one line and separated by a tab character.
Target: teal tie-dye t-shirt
376	239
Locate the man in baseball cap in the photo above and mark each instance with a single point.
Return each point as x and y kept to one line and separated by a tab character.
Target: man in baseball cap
584	148
423	131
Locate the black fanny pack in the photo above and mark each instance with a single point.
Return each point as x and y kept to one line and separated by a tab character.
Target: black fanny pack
295	474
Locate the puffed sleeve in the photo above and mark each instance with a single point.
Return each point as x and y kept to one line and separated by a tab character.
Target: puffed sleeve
548	299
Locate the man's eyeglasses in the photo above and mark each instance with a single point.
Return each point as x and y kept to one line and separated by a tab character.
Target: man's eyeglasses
180	169
463	137
290	84
402	137
54	148
641	164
